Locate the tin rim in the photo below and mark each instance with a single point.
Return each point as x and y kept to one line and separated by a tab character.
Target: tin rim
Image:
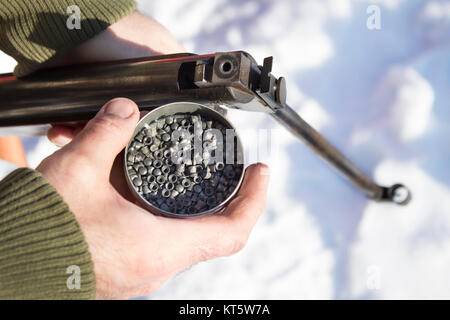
183	108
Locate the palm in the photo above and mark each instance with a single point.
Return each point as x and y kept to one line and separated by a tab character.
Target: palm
117	178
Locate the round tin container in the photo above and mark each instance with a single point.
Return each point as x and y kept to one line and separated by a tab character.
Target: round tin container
184	108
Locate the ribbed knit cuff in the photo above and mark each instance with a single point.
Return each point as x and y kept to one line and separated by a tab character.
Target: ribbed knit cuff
43	254
32	32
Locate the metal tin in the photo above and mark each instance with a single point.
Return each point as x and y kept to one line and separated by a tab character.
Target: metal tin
191	109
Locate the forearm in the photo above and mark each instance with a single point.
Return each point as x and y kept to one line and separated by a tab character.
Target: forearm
36	32
39	240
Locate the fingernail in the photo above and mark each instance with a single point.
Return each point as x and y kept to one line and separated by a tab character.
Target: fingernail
264	169
61	141
120	107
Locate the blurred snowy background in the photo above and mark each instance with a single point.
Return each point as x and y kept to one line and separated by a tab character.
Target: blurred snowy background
382	96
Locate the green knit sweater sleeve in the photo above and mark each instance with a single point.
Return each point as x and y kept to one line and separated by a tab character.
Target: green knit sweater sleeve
43	254
34	32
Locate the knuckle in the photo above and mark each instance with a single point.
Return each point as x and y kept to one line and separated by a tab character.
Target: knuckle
230	240
237	244
206	252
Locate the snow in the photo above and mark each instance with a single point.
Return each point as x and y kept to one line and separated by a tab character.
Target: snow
381	96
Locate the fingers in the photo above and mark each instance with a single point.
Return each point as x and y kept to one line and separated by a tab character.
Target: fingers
106	134
60	135
250	201
225	234
244	210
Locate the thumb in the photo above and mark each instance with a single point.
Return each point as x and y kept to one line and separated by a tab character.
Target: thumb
107	133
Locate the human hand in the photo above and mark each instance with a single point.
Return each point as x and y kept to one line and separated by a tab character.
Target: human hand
135	252
136	35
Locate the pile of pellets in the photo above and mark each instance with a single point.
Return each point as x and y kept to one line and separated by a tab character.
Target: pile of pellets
163	174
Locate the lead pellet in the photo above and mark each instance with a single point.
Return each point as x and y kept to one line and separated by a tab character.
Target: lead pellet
169	162
221	188
172	178
137	182
130	158
211	201
170	202
177	159
197	179
145	190
192	170
143	171
214	181
169	186
230	174
157	163
223	180
180	168
179	188
198	159
161	179
160	124
165	169
186	202
197	188
156	141
153	147
139	157
184	123
169	120
220	166
165	193
138	145
139	137
206	175
192	210
166	137
179	205
146	151
209	191
200	205
147	162
153	186
185	183
147	140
